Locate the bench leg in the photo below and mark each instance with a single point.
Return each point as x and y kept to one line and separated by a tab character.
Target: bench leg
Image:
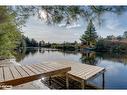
67	81
83	84
103	82
50	80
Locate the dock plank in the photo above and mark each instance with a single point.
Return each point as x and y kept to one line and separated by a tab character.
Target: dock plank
78	71
45	67
7	74
28	71
21	71
55	65
1	75
38	68
15	73
33	69
93	73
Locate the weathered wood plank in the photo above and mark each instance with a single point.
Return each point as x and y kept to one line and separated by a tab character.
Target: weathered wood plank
56	65
7	73
15	73
46	68
88	72
33	69
89	75
21	71
38	69
80	70
28	71
1	75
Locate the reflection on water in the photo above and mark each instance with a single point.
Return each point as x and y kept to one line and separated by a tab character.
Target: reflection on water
88	57
115	64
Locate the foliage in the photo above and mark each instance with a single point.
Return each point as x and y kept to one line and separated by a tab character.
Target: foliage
9	32
102	45
68	14
41	43
63	46
89	58
106	45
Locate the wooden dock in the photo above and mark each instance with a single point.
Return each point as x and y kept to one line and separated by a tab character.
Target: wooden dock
82	72
16	75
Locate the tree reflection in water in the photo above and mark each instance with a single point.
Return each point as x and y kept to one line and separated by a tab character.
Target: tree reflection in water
86	57
21	54
89	57
114	57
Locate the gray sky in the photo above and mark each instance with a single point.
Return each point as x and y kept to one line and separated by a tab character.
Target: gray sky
37	29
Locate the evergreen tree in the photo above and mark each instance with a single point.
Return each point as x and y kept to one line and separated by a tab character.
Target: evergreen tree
90	35
34	43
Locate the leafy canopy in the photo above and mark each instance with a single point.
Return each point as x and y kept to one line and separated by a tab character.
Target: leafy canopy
9	32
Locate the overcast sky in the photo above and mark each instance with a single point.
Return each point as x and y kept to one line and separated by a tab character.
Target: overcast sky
39	30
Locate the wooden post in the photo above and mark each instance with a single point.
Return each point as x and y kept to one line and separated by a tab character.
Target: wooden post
50	81
83	84
67	81
103	82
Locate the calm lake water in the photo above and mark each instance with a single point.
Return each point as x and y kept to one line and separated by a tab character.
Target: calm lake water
115	64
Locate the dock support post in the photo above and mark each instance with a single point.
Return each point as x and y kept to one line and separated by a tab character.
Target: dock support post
50	80
83	84
67	81
103	82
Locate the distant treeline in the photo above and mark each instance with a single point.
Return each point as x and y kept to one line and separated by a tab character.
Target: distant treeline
113	44
27	42
64	46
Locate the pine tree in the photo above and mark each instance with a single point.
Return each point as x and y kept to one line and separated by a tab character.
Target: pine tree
89	37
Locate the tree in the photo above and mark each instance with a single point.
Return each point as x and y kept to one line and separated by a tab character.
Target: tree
119	37
125	34
26	42
34	43
23	43
90	36
41	43
68	14
110	37
12	18
10	34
